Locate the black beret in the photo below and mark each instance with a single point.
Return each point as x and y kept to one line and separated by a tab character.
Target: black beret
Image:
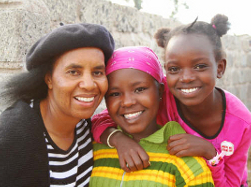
69	37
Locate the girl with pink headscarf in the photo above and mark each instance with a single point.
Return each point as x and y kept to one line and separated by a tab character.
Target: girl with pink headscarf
136	86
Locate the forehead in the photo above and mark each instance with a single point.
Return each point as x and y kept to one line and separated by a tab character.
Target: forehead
128	76
87	56
189	42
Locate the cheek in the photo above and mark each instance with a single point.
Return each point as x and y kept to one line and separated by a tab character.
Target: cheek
112	105
103	85
63	86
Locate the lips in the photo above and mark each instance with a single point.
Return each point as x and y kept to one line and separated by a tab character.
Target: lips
133	115
189	90
85	99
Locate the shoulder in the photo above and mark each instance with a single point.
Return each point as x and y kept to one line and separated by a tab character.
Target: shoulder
22	141
19	113
18	109
19	120
102	151
172	128
235	108
191	168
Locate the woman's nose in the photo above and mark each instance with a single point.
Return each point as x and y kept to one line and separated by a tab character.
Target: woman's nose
87	82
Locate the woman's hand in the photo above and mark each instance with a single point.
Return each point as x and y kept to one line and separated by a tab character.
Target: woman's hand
132	156
190	145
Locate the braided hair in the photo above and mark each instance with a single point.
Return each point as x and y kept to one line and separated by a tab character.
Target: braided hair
213	31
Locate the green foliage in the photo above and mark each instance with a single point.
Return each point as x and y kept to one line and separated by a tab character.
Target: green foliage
137	4
177	5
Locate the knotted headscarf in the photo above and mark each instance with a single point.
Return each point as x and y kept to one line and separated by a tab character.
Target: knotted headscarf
144	59
138	57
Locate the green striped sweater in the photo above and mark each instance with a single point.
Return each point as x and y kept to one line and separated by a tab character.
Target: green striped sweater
165	171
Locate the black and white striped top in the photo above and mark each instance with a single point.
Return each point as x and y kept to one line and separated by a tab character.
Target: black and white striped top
72	167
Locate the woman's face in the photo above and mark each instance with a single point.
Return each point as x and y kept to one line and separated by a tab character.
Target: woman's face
191	69
132	100
77	83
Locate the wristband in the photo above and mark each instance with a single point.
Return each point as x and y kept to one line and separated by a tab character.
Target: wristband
215	160
108	139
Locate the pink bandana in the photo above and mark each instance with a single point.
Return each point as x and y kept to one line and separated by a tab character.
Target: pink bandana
140	58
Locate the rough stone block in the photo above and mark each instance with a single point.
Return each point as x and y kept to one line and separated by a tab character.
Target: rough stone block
98	12
230	58
19	29
244	93
246	43
63	11
249	59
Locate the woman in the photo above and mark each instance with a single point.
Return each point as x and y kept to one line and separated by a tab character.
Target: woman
45	135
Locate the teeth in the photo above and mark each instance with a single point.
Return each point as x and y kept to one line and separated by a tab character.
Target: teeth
133	115
189	90
89	99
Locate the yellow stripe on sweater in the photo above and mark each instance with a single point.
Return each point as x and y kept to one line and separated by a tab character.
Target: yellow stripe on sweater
151	175
185	171
202	178
147	175
108	172
105	153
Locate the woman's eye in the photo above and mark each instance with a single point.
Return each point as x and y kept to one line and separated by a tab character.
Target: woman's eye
140	89
98	73
73	72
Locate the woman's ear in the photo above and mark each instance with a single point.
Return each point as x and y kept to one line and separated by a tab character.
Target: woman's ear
221	67
48	80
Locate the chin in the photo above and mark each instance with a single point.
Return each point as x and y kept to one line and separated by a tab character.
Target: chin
84	114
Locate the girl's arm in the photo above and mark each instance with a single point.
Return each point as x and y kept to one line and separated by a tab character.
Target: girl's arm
229	172
100	122
132	156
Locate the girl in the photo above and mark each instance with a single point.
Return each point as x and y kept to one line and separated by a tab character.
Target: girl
135	88
217	123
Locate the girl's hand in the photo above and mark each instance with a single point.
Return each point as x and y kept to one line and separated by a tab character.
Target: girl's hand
190	145
132	156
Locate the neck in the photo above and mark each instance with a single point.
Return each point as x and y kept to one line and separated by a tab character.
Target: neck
55	122
147	132
209	105
207	115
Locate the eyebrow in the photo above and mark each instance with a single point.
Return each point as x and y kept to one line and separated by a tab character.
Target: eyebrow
100	67
193	61
199	59
133	85
79	66
74	66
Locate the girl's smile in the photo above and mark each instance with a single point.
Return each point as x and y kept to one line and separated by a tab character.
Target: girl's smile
134	115
191	69
133	102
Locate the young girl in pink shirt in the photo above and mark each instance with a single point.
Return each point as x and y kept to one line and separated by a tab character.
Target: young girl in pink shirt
217	123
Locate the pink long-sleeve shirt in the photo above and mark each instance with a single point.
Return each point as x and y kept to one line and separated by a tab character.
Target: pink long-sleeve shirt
236	128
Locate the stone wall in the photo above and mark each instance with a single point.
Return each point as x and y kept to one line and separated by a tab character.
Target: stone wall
22	22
